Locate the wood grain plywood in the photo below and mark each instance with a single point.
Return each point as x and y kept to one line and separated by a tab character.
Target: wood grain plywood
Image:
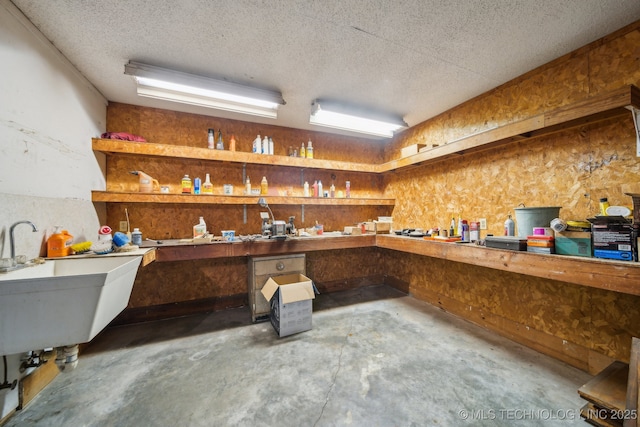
615	63
569	169
161	283
172	127
615	320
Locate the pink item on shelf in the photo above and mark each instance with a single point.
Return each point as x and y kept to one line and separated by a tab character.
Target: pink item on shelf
122	136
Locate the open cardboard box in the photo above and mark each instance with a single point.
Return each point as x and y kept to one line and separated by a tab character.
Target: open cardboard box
290	298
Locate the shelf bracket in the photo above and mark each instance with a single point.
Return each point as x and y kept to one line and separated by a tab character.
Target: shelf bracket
244	213
635	112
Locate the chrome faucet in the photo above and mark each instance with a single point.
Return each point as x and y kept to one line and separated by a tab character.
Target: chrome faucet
12	239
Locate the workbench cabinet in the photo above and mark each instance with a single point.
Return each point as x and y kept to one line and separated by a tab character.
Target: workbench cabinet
260	269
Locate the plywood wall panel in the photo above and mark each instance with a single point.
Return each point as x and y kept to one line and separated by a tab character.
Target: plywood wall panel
615	63
172	127
571	169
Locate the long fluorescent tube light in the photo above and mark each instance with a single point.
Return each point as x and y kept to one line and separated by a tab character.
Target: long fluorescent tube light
339	116
161	83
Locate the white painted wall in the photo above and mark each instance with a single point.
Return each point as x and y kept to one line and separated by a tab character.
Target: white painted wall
48	115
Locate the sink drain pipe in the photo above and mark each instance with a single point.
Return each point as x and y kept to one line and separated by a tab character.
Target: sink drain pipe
7	384
67	357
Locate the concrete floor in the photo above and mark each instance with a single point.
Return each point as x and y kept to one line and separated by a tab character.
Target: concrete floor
375	357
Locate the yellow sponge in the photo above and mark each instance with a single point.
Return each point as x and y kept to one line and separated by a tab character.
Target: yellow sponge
81	247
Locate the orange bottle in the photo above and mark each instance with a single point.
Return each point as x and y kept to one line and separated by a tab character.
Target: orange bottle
59	244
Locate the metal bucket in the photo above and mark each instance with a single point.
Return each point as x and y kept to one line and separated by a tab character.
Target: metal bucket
527	218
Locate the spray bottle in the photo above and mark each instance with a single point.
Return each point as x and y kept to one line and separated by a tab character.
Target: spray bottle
146	183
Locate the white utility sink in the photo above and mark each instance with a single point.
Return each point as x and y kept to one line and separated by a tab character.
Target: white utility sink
63	301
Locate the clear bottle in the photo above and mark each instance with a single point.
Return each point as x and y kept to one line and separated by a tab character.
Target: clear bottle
452	227
247	187
509	227
302	151
264	186
186	185
309	150
348	190
207	186
306	189
220	145
211	138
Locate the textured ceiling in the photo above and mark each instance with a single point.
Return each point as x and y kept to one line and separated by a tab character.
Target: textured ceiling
415	58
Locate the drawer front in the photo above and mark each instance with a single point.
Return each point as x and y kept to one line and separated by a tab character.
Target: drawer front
278	265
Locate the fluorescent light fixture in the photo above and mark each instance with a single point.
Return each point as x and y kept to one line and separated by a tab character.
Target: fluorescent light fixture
169	85
340	116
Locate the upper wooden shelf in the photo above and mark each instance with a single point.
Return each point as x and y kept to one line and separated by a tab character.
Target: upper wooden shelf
597	108
122	197
110	146
591	110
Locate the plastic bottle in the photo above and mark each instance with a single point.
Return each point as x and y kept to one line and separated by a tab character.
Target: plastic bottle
186	185
247	187
306	189
464	234
309	150
146	183
509	227
257	145
197	185
271	146
315	189
452	227
332	191
459	229
320	191
232	143
200	229
264	186
302	151
220	145
348	190
207	187
210	139
265	145
136	237
604	204
59	243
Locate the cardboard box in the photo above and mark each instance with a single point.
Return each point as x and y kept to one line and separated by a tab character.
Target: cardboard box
290	298
577	243
382	227
411	150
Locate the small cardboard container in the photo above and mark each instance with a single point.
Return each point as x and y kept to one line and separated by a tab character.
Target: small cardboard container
290	298
411	150
382	227
577	243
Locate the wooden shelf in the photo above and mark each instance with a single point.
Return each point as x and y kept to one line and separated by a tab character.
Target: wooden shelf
617	276
121	197
592	110
112	146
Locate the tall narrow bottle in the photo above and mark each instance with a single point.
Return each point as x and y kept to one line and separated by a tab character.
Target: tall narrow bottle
302	151
271	146
220	145
210	139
